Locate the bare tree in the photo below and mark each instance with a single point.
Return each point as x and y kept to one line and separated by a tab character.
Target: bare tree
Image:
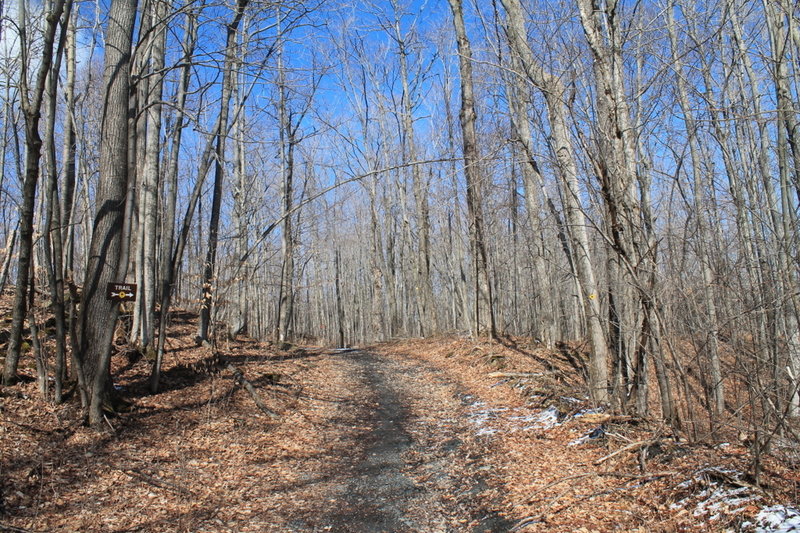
170	264
554	93
98	315
210	264
31	102
700	217
483	322
423	285
148	205
52	235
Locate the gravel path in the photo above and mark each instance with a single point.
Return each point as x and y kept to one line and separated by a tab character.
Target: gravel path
408	468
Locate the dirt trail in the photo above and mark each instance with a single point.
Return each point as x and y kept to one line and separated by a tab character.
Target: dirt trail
408	470
366	442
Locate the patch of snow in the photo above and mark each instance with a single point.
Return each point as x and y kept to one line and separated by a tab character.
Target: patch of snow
678	505
579	441
777	519
716	499
570	399
525	418
721	499
482	417
547	419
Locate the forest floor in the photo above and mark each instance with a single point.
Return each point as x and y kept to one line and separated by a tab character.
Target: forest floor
438	435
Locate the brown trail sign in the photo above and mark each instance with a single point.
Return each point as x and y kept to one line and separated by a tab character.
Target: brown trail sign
121	292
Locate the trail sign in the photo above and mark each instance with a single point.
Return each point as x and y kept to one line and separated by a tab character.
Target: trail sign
121	292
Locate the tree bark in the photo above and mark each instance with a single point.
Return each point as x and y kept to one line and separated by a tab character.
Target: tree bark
484	320
31	108
98	316
553	90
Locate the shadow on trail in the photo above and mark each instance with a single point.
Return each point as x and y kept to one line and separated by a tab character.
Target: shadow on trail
379	491
383	488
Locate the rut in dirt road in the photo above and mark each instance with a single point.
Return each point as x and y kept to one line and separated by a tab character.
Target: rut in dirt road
404	474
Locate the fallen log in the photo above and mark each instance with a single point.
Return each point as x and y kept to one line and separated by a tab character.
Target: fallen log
602	418
629	447
239	377
514	374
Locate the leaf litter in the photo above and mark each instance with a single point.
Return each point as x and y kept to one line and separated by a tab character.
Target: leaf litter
475	454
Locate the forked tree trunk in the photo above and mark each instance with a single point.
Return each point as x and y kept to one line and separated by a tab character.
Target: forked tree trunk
53	246
632	261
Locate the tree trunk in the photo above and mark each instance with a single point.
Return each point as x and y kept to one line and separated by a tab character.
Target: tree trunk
483	322
53	246
11	240
98	316
238	315
287	144
210	264
788	142
616	166
68	154
31	108
338	295
553	90
171	263
533	182
422	259
148	207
